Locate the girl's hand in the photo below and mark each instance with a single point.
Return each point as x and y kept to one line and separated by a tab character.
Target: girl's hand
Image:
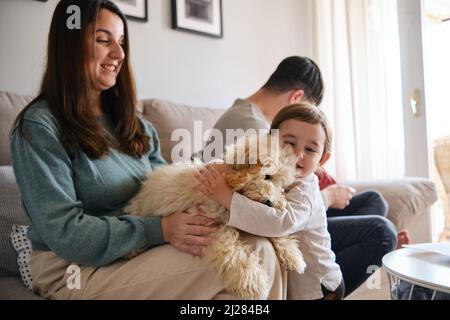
212	183
188	233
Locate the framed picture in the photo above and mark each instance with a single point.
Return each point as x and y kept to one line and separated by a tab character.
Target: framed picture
133	9
198	16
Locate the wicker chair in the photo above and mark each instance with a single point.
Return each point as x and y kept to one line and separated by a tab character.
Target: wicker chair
442	161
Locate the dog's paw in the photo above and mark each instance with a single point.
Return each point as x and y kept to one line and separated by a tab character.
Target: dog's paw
294	262
288	253
281	203
250	280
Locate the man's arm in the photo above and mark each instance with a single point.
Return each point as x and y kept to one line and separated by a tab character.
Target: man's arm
334	195
337	196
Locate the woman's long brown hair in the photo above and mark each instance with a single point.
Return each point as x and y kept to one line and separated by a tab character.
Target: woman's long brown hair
65	88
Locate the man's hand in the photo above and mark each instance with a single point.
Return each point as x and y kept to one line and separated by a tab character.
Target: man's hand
339	196
188	233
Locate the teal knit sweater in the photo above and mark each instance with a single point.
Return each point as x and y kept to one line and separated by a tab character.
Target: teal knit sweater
75	204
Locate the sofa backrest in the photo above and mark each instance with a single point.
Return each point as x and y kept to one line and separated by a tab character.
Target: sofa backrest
167	116
10	106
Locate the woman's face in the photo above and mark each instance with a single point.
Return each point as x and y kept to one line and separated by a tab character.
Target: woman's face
308	142
105	54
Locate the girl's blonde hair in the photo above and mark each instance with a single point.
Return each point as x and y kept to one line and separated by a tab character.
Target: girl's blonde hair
306	113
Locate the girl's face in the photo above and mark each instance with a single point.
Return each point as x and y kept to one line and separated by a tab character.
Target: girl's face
308	142
105	56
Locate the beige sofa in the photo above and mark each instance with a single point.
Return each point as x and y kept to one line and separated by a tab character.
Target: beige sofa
409	199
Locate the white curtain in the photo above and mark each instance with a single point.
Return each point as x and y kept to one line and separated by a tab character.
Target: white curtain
356	44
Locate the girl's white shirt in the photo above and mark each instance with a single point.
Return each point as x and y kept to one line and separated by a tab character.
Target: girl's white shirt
305	218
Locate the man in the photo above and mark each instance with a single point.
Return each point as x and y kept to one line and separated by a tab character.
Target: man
359	242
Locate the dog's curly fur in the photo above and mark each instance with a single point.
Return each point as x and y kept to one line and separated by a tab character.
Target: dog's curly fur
262	176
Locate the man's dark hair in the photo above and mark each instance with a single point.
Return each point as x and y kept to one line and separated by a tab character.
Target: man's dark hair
298	73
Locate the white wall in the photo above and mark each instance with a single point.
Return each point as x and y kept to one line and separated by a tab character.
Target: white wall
170	64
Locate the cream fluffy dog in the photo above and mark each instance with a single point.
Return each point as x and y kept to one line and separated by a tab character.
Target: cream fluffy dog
262	172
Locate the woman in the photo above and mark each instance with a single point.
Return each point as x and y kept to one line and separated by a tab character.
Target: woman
80	153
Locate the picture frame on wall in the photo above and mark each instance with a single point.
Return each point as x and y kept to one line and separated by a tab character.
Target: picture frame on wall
133	9
203	17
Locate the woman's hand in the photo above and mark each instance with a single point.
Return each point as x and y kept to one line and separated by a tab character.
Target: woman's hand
339	196
188	233
211	182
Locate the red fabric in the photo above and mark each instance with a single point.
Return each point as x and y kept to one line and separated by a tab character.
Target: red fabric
325	179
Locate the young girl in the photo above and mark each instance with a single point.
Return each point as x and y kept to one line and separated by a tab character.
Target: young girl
305	128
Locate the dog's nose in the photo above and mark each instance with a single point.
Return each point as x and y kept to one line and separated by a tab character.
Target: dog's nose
268	203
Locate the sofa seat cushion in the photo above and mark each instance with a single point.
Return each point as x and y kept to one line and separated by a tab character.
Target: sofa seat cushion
408	198
167	116
11	212
12	288
22	245
10	106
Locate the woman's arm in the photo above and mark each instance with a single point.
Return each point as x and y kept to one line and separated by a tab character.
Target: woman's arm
189	233
155	157
45	178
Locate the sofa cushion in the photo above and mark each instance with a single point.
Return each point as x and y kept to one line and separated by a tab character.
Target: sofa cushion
11	212
168	116
407	197
22	245
10	106
12	288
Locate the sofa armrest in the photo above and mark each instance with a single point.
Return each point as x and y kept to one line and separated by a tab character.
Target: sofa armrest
408	198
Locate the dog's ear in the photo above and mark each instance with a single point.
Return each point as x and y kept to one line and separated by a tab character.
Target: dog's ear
238	179
265	161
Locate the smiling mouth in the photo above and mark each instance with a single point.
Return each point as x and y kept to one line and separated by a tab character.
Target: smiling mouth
109	67
298	167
